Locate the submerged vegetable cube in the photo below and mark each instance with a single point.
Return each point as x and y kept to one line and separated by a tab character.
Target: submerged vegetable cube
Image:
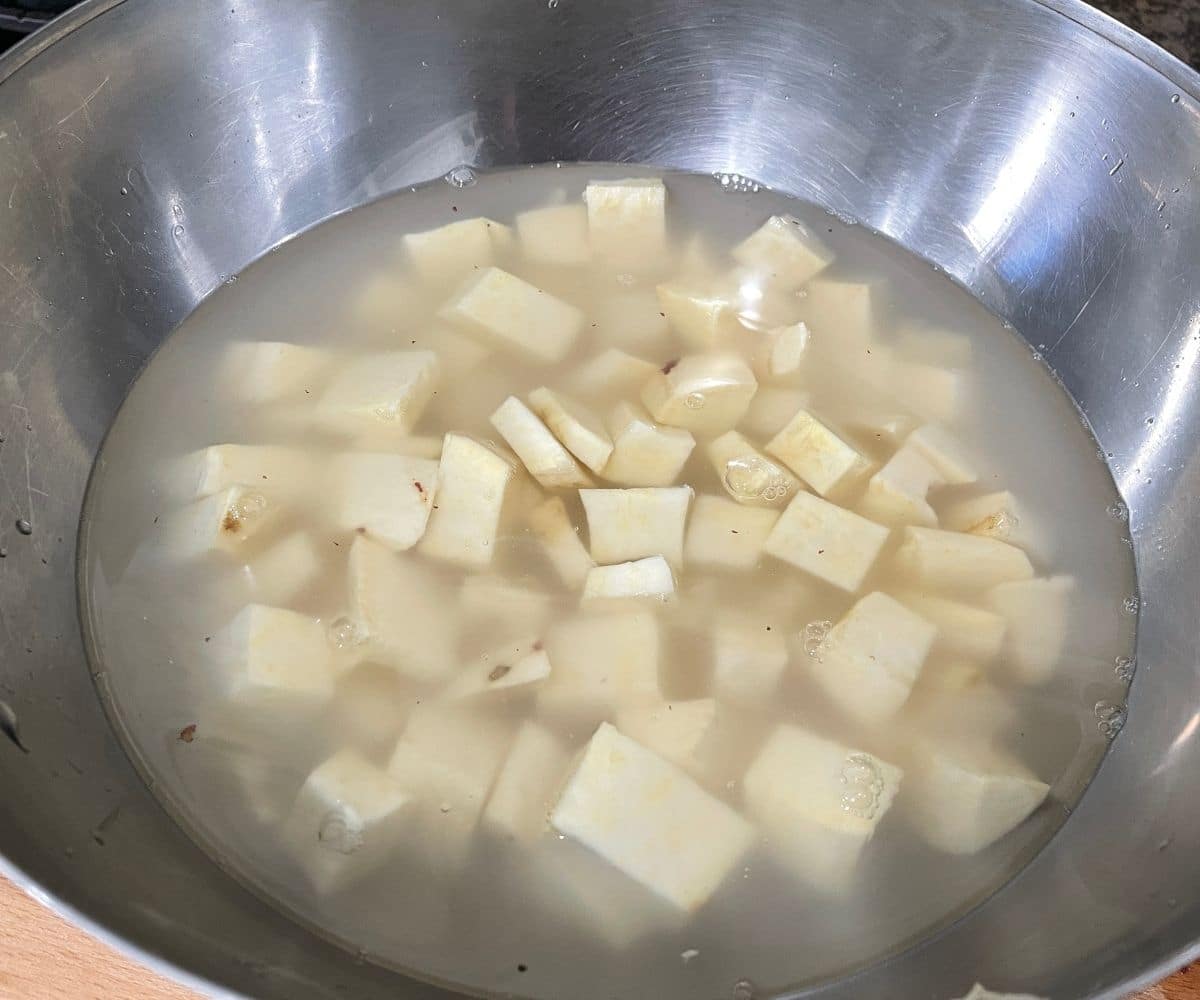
747	474
514	667
445	255
635	523
389	497
701	314
222	524
896	493
816	454
648	579
264	371
546	459
627	221
611	372
552	526
950	561
472	482
821	538
785	249
580	431
705	393
683	732
556	234
527	787
727	535
274	658
644	453
279	572
379	392
1038	615
748	661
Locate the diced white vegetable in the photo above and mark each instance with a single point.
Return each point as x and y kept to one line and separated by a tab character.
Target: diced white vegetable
381	300
934	346
702	315
416	446
347	819
950	561
945	453
821	538
781	351
1037	612
274	657
210	470
772	409
748	662
964	630
264	371
457	352
934	392
496	604
514	315
634	523
472	481
644	453
648	578
963	800
994	515
647	818
557	234
405	612
612	372
818	803
632	320
786	249
627	220
507	666
448	253
747	474
221	524
387	496
580	431
387	391
707	393
283	570
527	787
869	661
727	535
955	700
600	661
683	732
841	315
882	424
896	493
552	526
545	458
816	454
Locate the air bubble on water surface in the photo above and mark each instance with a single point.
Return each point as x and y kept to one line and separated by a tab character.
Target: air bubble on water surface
461	176
814	636
345	633
1110	717
1125	668
737	183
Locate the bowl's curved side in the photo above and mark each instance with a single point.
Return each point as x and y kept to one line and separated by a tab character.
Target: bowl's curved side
1047	162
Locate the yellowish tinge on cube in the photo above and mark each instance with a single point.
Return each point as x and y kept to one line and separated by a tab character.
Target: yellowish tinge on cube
634	523
703	393
644	453
817	455
449	253
786	250
833	544
581	432
223	524
781	351
965	631
896	494
950	561
701	313
627	221
541	452
999	515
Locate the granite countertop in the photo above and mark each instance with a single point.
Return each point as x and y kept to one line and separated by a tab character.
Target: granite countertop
1173	24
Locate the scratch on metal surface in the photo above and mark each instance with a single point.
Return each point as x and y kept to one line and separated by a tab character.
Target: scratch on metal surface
1162	344
1088	301
83	107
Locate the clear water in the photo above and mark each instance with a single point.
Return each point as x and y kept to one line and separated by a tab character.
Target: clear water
498	920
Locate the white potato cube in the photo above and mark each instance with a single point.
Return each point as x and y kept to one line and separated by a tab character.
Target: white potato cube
950	560
632	320
627	221
772	409
996	515
934	346
222	524
700	314
512	667
955	700
786	250
545	458
816	454
882	424
551	525
496	604
280	572
782	351
896	493
387	391
648	819
514	315
635	523
727	535
379	301
963	800
644	453
869	661
389	497
841	315
458	352
580	431
965	631
833	544
610	373
683	732
527	787
406	614
707	393
557	234
747	474
447	254
748	662
348	818
649	579
472	482
266	371
945	453
818	803
934	392
284	471
271	656
1038	615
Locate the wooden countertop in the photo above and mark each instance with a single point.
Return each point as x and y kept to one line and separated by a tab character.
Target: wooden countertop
45	958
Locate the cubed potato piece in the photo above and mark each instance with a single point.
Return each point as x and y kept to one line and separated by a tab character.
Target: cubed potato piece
349	817
267	371
706	393
882	424
702	314
747	474
627	221
635	523
632	320
869	661
445	255
934	346
380	301
781	351
996	515
832	544
387	391
406	614
818	803
224	524
274	657
556	234
727	535
772	410
472	482
963	800
551	525
545	458
952	561
748	662
648	819
284	471
642	579
513	667
1038	615
682	732
500	605
580	430
280	572
786	250
816	454
527	787
933	392
945	453
611	373
644	453
514	315
458	352
964	631
600	661
841	315
955	700
389	497
896	494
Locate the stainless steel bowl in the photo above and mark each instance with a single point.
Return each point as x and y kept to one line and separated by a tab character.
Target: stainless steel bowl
1042	155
